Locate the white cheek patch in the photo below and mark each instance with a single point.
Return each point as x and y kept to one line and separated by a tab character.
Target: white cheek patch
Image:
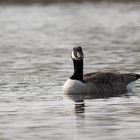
73	56
78	54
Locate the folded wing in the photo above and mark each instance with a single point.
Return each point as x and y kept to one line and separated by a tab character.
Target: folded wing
110	78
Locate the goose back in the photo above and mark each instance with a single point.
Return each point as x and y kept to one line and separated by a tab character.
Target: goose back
108	82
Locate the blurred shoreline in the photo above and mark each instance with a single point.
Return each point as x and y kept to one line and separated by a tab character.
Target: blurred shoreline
59	1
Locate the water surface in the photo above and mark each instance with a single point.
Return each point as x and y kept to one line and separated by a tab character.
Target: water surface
35	60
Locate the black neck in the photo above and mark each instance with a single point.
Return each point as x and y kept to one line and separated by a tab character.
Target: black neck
78	70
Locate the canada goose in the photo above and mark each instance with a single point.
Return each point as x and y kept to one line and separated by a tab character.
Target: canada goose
97	84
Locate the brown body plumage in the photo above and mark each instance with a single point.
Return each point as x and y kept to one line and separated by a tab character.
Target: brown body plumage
109	83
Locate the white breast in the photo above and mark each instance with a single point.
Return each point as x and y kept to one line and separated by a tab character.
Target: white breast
73	86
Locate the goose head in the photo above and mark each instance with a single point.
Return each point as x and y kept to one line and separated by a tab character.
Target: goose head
77	53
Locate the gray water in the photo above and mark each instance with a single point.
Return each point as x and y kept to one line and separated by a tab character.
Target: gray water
35	61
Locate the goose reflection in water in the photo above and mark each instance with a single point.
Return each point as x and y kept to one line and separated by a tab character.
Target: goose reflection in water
79	99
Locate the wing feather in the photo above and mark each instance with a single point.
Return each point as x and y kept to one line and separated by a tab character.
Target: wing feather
110	78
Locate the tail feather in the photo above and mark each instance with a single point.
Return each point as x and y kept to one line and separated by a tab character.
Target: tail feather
137	76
